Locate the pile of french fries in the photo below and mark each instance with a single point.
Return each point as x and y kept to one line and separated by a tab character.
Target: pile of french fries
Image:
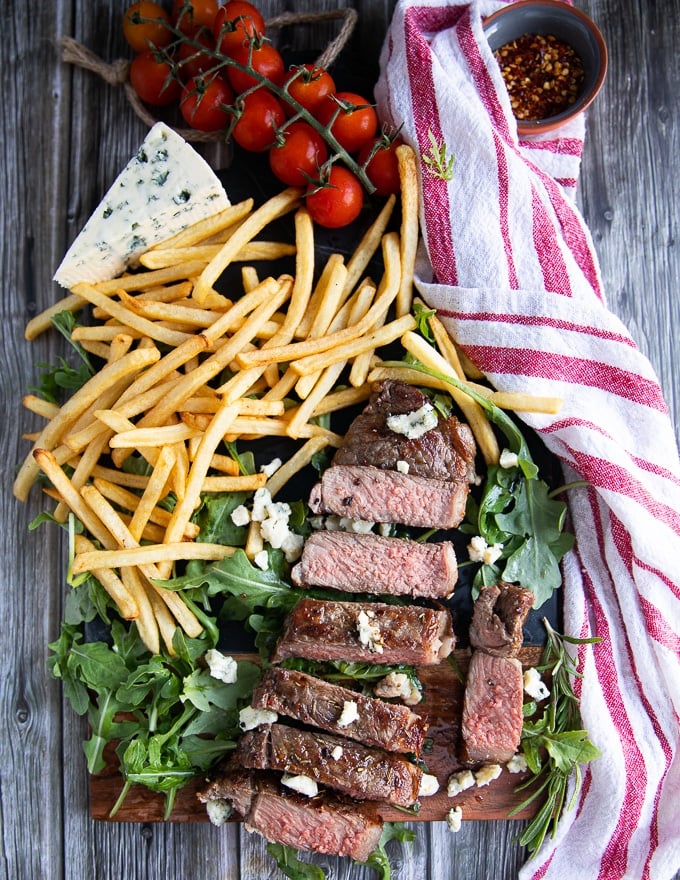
187	367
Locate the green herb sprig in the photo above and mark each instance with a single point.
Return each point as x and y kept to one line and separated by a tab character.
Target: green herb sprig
554	744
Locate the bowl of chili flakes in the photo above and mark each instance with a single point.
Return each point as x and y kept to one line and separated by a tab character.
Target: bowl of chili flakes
553	59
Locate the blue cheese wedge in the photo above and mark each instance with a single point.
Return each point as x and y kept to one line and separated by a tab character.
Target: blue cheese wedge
163	189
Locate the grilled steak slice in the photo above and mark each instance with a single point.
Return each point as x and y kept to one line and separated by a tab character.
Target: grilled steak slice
376	564
370	631
446	452
359	771
319	703
498	617
492	709
370	493
324	824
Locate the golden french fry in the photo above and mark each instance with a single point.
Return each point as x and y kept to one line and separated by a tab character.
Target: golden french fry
519	401
51	434
125	601
207	227
148	555
338	400
147	280
386	334
357	263
408	176
127	500
40	407
143	438
155	490
252	251
254	541
244	483
325	298
300	417
275	207
301	458
43	321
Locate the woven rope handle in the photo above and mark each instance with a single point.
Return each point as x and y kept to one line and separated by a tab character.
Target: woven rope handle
117	72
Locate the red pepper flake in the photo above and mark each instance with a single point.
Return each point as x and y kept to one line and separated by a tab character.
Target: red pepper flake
543	75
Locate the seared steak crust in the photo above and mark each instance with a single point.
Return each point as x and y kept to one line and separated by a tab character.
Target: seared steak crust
325	824
498	617
376	564
492	709
371	493
319	703
359	771
446	452
323	630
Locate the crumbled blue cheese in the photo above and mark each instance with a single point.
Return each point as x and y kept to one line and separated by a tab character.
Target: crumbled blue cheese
163	189
261	560
454	819
221	666
369	632
403	466
272	518
219	810
459	782
508	459
302	784
534	685
429	785
337	753
413	424
398	685
272	467
480	551
487	774
517	764
349	714
240	515
250	718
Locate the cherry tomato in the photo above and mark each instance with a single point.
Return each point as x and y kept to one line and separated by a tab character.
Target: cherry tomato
383	168
190	60
299	156
261	117
338	202
190	14
352	127
146	25
235	24
265	59
153	80
309	85
204	103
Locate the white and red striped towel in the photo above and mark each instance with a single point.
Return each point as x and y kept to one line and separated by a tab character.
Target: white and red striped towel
516	280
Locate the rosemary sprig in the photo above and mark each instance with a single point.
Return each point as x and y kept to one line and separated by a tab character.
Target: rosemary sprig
554	744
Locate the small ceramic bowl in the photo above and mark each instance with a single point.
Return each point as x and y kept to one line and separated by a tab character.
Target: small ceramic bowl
569	25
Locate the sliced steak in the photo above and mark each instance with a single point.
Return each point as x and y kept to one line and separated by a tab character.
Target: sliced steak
370	631
325	824
370	493
339	763
492	709
446	452
376	564
320	703
498	617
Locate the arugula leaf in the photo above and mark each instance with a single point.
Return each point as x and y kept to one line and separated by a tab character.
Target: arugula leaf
379	860
215	522
289	863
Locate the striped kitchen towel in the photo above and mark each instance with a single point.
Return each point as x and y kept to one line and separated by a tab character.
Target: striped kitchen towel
509	264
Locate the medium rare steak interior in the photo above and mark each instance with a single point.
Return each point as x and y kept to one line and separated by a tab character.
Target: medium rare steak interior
447	452
375	564
320	703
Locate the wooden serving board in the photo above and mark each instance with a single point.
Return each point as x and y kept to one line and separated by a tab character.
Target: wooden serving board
443	705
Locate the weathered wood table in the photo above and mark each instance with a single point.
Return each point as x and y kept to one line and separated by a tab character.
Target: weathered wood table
65	134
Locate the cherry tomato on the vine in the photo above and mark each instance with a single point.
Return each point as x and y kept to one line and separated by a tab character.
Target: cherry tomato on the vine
204	103
190	60
309	86
235	24
261	57
146	25
153	79
383	168
299	156
356	121
191	14
261	116
337	203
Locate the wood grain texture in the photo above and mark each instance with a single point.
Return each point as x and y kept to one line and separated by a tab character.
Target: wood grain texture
64	136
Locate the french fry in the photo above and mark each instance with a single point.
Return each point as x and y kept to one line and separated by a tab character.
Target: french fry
143	438
149	555
51	434
295	463
369	244
43	321
208	227
127	500
154	491
146	280
125	601
325	298
275	207
408	176
245	483
252	251
40	407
